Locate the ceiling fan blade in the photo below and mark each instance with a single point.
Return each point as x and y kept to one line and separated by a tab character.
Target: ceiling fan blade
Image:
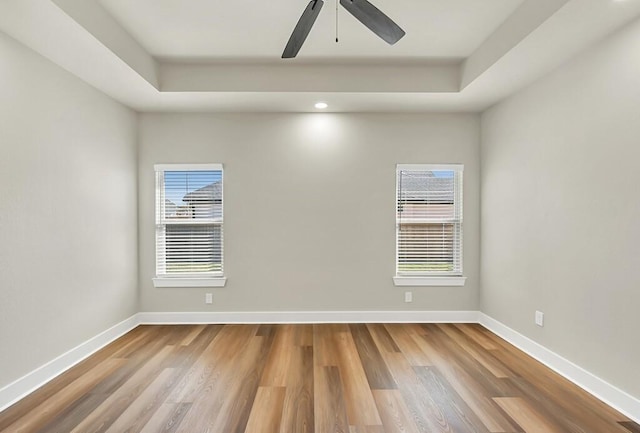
374	19
302	29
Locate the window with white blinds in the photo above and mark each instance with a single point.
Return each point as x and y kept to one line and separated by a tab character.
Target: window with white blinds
429	220
189	220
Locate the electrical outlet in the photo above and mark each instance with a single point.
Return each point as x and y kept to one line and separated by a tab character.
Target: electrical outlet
539	318
208	298
408	297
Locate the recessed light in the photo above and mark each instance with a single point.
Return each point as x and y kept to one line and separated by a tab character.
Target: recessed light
321	105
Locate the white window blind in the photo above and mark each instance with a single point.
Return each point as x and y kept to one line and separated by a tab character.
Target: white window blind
429	220
189	220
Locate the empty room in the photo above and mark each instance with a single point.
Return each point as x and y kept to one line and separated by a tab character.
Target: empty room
320	216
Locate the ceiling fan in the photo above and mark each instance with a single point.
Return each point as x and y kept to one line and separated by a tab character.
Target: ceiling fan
362	10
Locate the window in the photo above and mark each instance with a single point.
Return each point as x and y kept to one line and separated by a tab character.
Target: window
189	225
429	225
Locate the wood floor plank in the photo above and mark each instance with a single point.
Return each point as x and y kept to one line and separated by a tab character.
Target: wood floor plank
208	392
361	407
409	347
175	334
266	411
330	413
138	413
326	352
470	390
104	415
303	335
488	381
194	331
568	404
278	362
467	386
495	366
157	340
69	418
148	342
631	426
472	331
242	384
526	416
137	339
382	338
297	415
211	363
375	369
455	410
394	412
366	429
65	397
573	418
167	418
336	378
29	403
427	416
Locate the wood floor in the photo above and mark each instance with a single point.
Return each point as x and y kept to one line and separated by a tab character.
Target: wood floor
343	378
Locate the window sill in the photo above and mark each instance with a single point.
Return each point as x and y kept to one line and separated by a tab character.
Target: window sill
429	281
189	282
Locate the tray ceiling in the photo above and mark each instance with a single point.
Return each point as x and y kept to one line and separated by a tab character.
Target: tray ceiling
210	55
260	29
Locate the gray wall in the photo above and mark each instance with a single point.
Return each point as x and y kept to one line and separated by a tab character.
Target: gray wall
561	214
309	207
67	211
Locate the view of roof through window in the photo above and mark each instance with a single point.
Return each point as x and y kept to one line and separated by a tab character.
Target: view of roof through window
184	189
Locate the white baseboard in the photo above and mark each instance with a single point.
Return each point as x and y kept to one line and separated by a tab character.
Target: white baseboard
604	391
24	386
310	317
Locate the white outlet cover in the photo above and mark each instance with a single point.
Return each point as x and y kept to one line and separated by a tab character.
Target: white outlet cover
539	318
208	298
408	296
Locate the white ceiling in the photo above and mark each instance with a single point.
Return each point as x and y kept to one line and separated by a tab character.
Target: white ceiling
260	29
223	56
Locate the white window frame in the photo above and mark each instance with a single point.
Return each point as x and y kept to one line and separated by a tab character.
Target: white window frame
162	279
427	278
